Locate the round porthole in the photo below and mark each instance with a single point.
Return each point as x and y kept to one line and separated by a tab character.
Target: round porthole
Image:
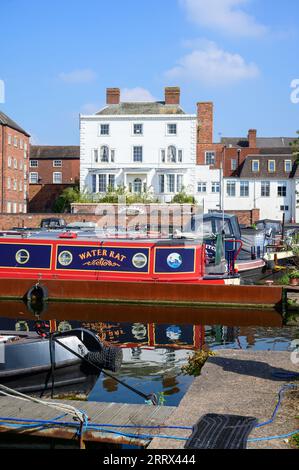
65	258
174	260
22	256
139	260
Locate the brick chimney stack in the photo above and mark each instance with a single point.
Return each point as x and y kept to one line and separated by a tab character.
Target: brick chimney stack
172	95
113	96
252	133
205	116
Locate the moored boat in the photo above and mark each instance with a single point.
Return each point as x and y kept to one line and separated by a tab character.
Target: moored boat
81	257
68	361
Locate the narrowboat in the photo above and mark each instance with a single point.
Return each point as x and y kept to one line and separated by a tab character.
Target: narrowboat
85	258
63	362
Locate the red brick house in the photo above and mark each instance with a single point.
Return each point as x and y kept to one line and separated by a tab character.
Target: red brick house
14	163
51	170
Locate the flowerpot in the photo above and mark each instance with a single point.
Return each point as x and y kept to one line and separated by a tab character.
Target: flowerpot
294	282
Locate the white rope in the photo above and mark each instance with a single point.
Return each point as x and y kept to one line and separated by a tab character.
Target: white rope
68	409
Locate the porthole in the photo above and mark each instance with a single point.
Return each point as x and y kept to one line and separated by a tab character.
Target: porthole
139	260
22	256
65	258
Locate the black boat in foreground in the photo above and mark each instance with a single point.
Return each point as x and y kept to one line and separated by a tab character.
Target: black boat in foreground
69	361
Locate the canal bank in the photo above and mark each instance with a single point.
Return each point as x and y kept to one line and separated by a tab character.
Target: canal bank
242	383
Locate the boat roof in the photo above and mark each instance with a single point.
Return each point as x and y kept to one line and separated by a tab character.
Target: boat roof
98	236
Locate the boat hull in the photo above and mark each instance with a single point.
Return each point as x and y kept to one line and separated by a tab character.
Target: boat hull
33	365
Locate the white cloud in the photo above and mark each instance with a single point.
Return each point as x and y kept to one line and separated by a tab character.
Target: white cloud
136	94
227	16
78	76
212	65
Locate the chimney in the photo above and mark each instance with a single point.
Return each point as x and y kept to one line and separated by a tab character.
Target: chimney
205	116
172	95
252	138
113	96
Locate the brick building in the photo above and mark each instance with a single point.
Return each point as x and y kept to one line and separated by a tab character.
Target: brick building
51	170
14	149
257	174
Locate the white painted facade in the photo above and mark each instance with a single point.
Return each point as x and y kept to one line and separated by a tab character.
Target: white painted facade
267	195
156	172
142	161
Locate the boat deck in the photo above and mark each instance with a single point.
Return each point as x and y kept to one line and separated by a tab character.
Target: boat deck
98	413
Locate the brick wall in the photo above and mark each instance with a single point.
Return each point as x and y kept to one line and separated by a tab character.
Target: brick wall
14	170
205	122
247	218
70	170
8	221
42	197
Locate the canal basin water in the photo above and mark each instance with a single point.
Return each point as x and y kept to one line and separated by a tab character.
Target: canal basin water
157	341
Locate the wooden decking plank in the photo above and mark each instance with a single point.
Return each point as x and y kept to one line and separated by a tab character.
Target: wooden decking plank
100	413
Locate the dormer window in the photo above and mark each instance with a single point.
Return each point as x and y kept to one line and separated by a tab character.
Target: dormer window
255	166
271	166
288	166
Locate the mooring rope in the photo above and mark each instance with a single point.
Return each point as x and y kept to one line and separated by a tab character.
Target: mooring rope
67	409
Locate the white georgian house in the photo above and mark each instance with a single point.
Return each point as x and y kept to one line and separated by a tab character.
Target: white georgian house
142	146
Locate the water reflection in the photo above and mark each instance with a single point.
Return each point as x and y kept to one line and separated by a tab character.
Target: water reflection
156	341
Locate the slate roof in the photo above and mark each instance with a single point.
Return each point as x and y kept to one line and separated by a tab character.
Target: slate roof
246	168
56	152
7	121
262	142
148	108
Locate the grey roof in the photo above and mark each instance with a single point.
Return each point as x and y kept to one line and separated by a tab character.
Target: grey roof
157	107
55	152
6	121
246	168
261	142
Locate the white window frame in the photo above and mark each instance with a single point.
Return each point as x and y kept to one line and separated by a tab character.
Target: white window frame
215	187
55	165
282	185
9	162
203	187
206	155
31	177
258	166
137	134
269	165
167	129
133	153
233	164
100	129
228	184
286	162
263	185
246	185
8	183
33	165
57	173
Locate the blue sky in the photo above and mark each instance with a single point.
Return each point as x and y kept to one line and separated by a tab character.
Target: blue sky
58	58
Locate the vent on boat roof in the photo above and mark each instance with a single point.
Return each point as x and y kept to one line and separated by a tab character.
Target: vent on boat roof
68	235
